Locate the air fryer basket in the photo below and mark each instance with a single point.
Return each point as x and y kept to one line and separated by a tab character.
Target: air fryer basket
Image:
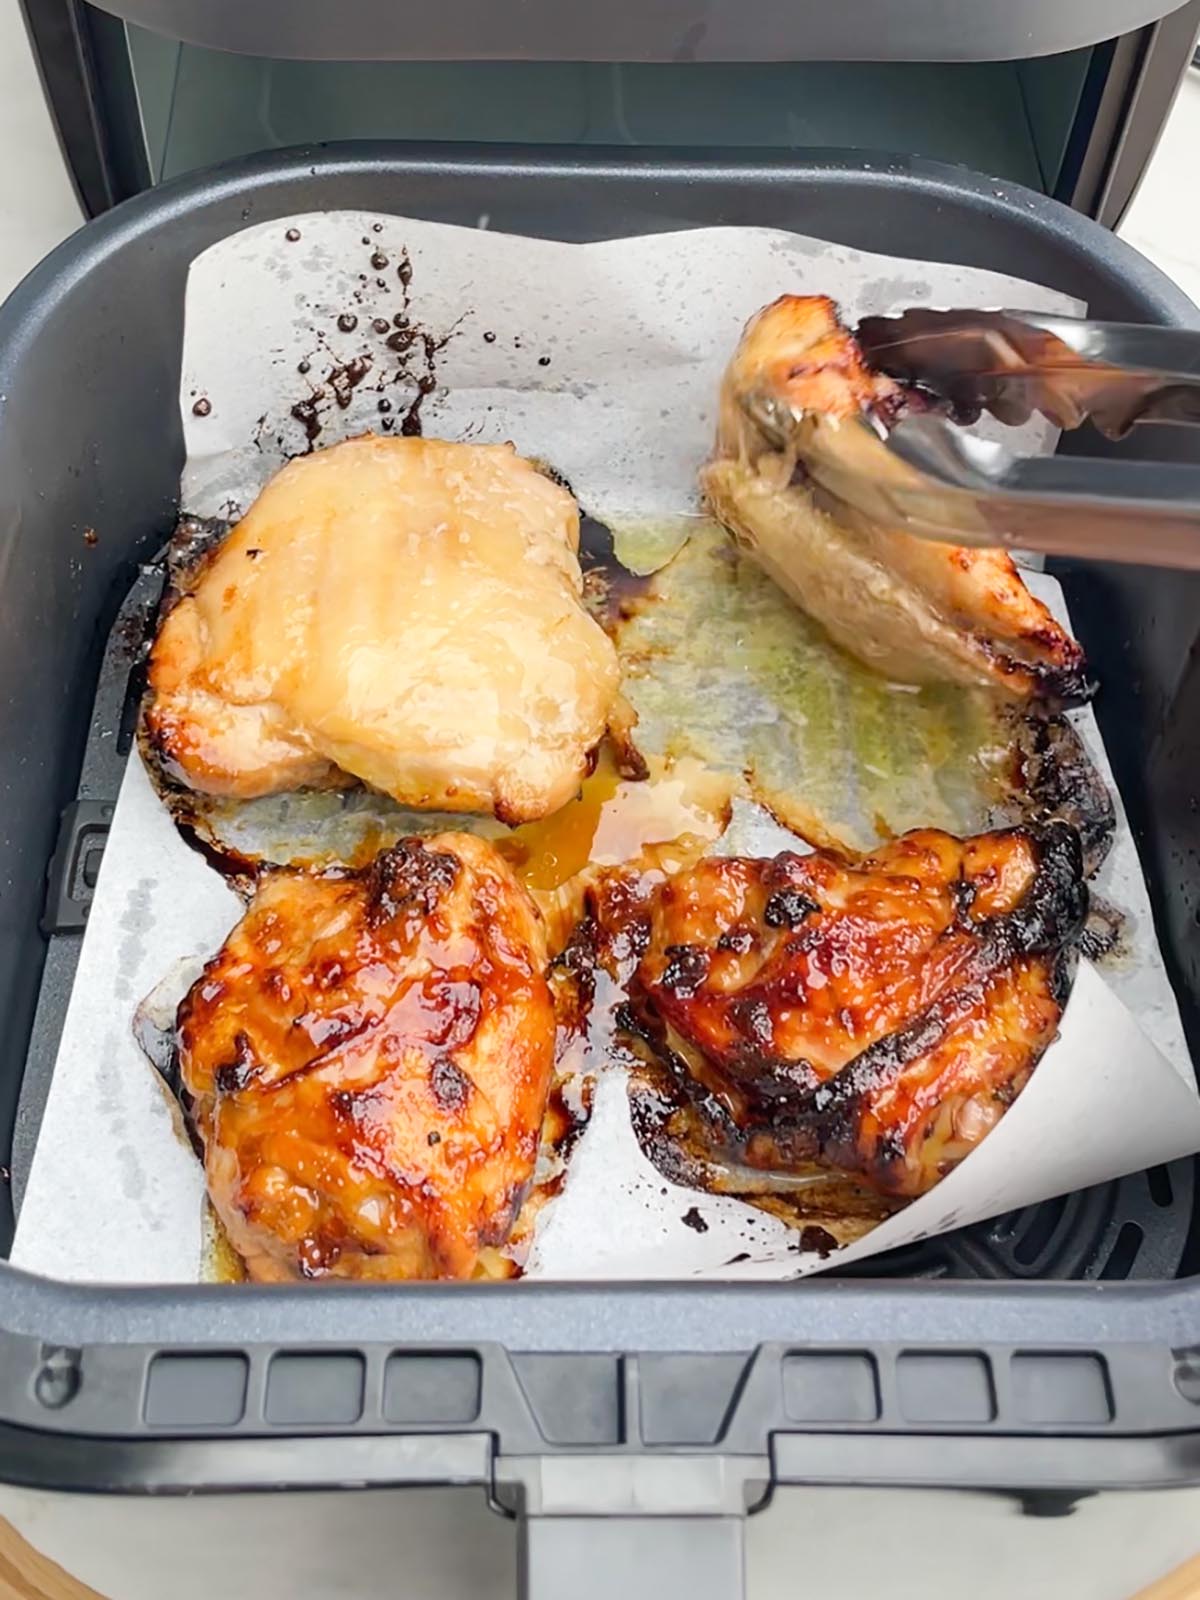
565	1401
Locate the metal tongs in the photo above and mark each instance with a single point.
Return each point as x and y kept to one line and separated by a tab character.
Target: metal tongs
938	480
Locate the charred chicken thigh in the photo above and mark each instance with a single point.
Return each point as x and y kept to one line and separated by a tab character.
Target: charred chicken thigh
872	1017
368	1059
798	391
405	611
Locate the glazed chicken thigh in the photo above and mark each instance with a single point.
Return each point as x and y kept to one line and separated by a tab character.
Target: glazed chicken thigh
368	1059
402	611
798	394
873	1018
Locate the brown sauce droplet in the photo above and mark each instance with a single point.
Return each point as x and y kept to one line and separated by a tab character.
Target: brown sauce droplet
307	414
347	322
819	1239
292	235
202	407
345	379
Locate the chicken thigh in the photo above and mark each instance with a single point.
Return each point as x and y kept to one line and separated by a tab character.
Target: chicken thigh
405	611
367	1061
798	391
873	1018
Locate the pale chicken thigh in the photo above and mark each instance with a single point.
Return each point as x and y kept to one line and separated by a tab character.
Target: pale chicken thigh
402	611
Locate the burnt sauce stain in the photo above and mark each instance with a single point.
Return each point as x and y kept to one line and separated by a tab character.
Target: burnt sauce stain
1053	779
1104	938
157	1044
814	1238
693	1219
307	413
610	591
344	379
407	360
240	872
568	1112
192	545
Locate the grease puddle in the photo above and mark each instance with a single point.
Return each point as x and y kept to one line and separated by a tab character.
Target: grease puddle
723	669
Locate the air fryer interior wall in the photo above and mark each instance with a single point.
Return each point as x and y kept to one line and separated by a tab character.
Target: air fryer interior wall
89	474
1010	119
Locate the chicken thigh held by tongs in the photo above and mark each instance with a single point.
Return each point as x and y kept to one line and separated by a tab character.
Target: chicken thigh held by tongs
798	449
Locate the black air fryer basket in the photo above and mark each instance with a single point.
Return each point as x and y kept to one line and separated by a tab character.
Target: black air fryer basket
1059	1347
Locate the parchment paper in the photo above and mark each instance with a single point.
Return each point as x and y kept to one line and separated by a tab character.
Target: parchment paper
604	361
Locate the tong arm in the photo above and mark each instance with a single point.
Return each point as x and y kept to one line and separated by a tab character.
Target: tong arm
1015	363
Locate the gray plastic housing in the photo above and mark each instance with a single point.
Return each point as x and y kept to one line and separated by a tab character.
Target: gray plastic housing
666	30
590	1410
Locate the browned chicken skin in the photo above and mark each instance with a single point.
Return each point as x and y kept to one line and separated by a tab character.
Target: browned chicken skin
876	1017
368	1059
798	392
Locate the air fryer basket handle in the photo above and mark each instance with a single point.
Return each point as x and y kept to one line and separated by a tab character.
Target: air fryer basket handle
631	1525
631	1557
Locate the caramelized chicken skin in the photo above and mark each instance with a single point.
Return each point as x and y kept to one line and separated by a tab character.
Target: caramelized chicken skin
873	1017
406	611
798	393
368	1059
